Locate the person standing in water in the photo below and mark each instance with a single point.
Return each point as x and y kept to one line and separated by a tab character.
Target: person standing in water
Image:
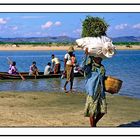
69	68
55	64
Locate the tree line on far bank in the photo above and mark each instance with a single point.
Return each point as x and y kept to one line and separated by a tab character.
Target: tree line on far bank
50	44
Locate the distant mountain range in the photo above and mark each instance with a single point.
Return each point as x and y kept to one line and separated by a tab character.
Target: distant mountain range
39	39
64	39
126	39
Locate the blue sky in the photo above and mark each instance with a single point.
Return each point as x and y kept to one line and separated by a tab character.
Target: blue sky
64	24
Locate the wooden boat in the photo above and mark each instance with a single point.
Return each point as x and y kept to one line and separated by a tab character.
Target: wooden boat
6	76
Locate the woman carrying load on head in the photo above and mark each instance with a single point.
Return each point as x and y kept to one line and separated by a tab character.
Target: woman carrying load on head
94	30
95	106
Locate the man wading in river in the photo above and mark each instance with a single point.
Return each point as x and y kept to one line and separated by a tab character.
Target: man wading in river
69	68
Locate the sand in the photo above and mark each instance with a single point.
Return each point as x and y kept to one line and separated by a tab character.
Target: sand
8	47
41	109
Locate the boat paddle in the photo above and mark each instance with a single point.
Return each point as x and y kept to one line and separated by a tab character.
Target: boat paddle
10	61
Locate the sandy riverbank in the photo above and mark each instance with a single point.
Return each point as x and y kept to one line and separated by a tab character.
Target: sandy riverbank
43	47
60	109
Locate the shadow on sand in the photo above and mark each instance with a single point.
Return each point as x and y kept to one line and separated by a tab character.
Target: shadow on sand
131	124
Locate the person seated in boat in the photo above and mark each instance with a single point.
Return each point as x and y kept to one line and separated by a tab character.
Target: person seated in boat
33	69
12	68
55	64
47	69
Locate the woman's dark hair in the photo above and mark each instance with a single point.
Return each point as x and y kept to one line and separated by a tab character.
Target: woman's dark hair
34	62
14	63
52	55
70	53
49	63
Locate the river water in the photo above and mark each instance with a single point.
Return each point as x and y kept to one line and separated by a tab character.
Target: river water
125	65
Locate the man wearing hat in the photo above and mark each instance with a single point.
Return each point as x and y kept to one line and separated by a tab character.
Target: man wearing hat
69	67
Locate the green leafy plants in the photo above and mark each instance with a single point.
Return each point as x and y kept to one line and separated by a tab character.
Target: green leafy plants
94	27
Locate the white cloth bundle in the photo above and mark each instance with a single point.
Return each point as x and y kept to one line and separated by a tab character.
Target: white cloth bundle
97	46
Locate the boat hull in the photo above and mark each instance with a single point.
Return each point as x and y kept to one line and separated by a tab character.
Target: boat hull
5	75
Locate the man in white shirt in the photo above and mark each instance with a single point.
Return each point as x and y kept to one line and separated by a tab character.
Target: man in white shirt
55	64
47	69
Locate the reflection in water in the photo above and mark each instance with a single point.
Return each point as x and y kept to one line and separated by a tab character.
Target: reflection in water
50	85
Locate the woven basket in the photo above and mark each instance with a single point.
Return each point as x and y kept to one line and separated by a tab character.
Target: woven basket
112	85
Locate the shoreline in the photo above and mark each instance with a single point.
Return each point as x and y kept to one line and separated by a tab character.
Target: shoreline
53	48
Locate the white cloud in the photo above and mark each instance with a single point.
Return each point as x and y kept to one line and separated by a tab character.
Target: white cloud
121	26
38	33
47	25
35	34
136	26
63	34
50	24
31	17
14	28
77	31
3	21
57	23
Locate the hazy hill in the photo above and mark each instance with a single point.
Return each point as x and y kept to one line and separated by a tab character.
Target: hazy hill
39	39
64	39
126	39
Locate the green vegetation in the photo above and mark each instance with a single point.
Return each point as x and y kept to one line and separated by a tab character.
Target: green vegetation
63	43
126	43
94	27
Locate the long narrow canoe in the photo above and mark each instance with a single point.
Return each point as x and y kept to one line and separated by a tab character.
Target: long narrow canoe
6	76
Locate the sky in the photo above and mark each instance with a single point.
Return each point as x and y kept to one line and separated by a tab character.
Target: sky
64	24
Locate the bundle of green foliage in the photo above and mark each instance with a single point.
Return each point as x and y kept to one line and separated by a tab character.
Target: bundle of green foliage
94	27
